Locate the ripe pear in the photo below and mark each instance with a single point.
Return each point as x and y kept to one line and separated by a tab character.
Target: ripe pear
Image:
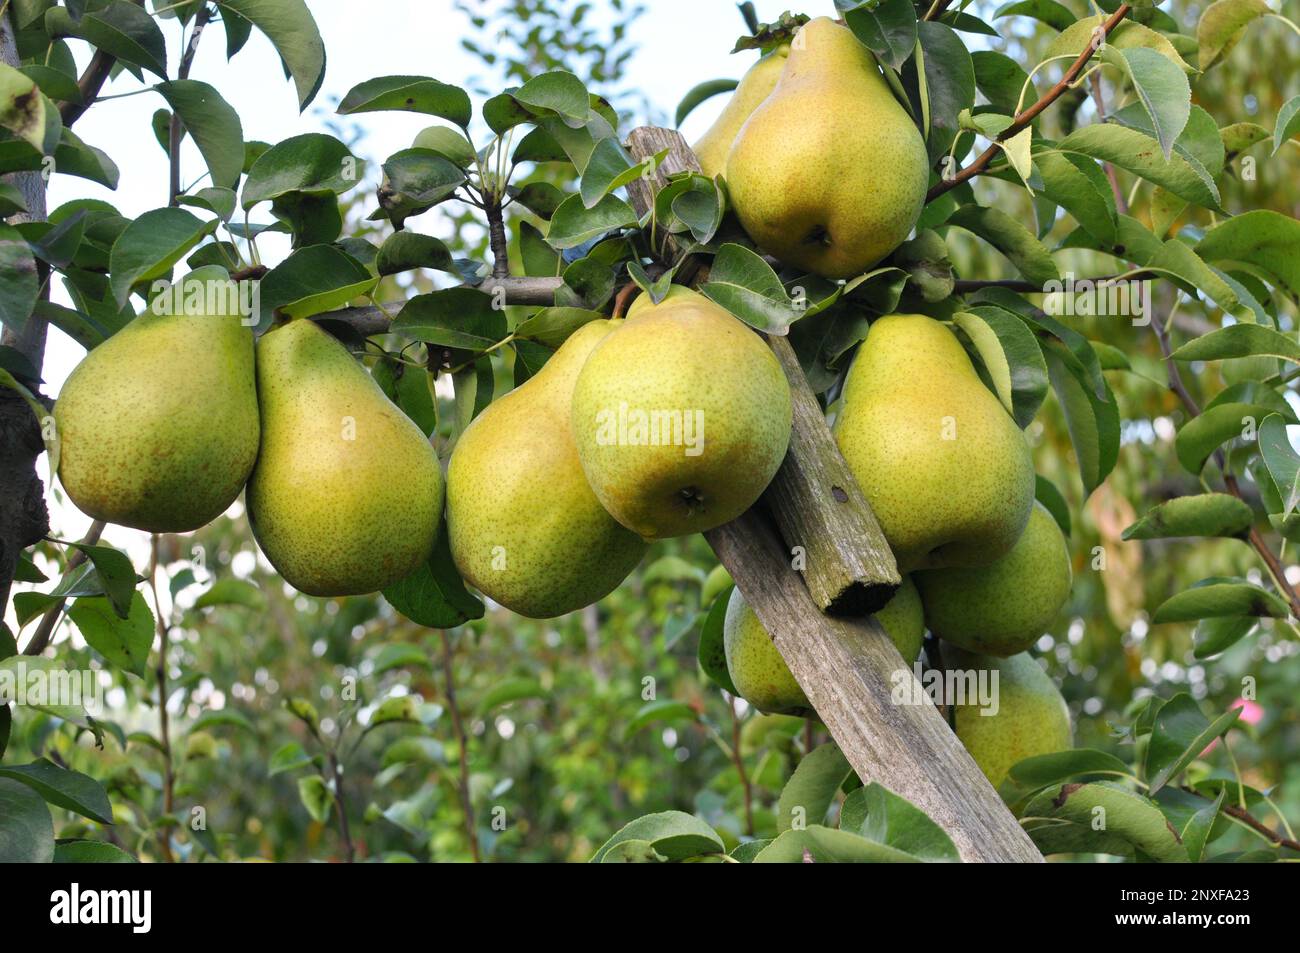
1031	717
1002	608
525	528
754	87
681	417
945	468
761	675
159	424
829	173
347	494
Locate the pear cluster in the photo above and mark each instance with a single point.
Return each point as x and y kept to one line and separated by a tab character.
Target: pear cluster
986	568
632	432
166	422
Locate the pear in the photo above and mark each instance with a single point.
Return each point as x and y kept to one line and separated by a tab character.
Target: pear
759	81
681	417
1031	717
761	675
945	468
829	174
159	424
525	528
1002	608
347	494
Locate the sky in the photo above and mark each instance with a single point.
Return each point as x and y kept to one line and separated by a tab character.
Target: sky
387	37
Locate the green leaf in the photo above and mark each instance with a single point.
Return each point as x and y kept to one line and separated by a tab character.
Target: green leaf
700	93
223	717
552	326
419	94
825	845
1142	155
1055	15
1093	422
313	163
434	594
400	655
712	652
230	591
1288	123
1281	460
312	281
558	93
406	250
1001	79
316	797
22	107
886	27
213	124
743	283
609	168
1045	492
573	223
1216	635
814	784
882	816
1196	832
1209	514
124	643
70	790
1263	238
1009	236
149	247
19	286
674	834
1060	766
453	317
1202	435
1161	86
290	27
510	690
289	757
949	85
1100	817
26	829
1011	356
1221	26
1180	733
664	709
1127	36
1217	598
116	574
90	852
122	29
80	581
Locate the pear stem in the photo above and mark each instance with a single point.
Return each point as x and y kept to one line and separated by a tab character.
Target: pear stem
1025	118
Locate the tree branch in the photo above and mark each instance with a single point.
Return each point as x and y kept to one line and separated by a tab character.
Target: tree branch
1023	119
175	130
41	637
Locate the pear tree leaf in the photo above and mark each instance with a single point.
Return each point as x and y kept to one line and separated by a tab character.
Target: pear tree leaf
434	595
1221	25
1288	123
880	815
1078	185
1093	422
312	281
887	28
230	591
453	317
420	94
80	851
1180	733
1060	766
1216	635
814	784
712	653
946	87
609	168
1142	155
1218	597
1263	238
22	107
1064	820
1128	35
406	250
124	30
213	124
825	845
673	834
26	828
663	709
1009	236
116	575
573	223
743	283
1055	15
1012	358
1239	340
80	581
63	787
1046	492
315	796
700	93
312	162
1197	831
290	27
19	285
1161	87
1208	514
510	690
147	249
124	643
1197	439
1282	461
552	326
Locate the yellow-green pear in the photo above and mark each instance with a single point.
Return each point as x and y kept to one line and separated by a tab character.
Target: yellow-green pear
761	675
347	494
759	81
159	424
829	173
1002	608
1025	714
945	468
681	416
525	528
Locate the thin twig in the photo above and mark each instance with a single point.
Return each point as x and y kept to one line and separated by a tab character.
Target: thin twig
175	131
1023	119
336	772
41	637
746	787
164	729
1251	821
1099	98
471	829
